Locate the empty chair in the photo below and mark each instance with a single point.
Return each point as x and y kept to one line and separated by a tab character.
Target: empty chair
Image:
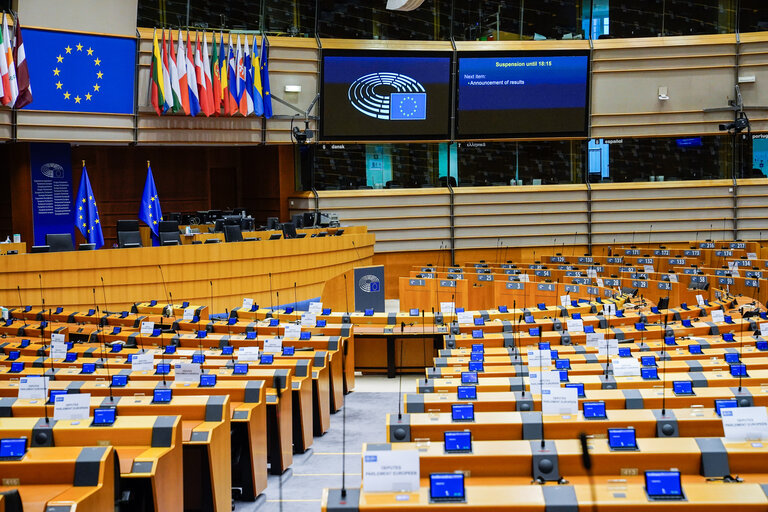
232	233
128	233
289	230
59	242
272	223
169	232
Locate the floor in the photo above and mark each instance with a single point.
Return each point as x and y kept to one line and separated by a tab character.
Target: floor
321	466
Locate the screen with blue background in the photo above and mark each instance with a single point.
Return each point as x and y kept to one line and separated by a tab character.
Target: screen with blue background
522	94
75	72
375	94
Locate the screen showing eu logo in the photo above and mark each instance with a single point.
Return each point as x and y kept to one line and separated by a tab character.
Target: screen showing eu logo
74	72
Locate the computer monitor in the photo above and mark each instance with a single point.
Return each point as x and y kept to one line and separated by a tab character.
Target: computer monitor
728	336
457	442
469	377
368	312
562	364
622	439
288	351
161	396
663	485
476	366
503	309
71	357
104	416
761	345
305	335
446	487
119	381
163	369
16	367
207	380
649	373
478	347
479	320
54	393
732	357
724	404
88	368
544	345
682	387
198	358
694	348
170	349
466	392
625	352
14	355
477	356
463	412
414	312
227	350
321	323
13	448
739	370
594	410
477	334
240	369
579	388
563	375
648	360
266	359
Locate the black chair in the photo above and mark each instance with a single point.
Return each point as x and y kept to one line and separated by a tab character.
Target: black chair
86	247
212	241
298	220
128	233
232	233
59	242
169	232
289	230
40	248
273	223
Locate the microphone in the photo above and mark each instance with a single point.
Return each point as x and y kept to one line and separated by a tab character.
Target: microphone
104	295
356	251
21	302
166	312
586	461
100	338
42	324
400	384
271	304
650	228
295	303
277	292
346	293
710	233
541	394
210	311
229	338
664	373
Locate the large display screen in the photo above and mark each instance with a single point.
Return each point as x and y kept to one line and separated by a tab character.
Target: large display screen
385	95
522	94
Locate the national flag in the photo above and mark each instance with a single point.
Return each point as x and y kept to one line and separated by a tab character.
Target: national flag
232	79
13	85
22	70
258	97
240	71
156	82
224	76
209	96
167	94
202	93
194	100
87	220
149	211
246	102
5	89
181	68
265	77
215	78
173	70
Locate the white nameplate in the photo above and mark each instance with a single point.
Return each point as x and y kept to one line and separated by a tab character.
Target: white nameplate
76	406
560	400
745	423
33	387
391	471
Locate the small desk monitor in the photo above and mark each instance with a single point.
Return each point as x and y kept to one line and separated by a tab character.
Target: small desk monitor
477	334
446	487
161	396
14	355
119	381
321	323
562	364
170	349
694	348
478	347
305	335
503	309
476	366
725	404
469	377
479	320
16	367
207	380
198	358
594	410
739	370
649	373
104	416
663	485
88	368
71	357
457	442
266	359
728	336
289	351
579	388
622	439
13	448
731	357
227	350
240	369
648	360
54	393
625	352
477	356
761	345
683	387
463	412
544	345
563	375
466	392
163	369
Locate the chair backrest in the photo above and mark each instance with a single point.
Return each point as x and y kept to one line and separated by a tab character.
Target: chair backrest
168	226
232	233
170	238
289	230
298	220
272	223
59	242
128	233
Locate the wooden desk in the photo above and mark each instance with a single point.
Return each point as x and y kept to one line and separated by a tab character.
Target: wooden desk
20	247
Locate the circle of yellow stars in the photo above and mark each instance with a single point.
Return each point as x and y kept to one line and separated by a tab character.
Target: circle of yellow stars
99	74
80	209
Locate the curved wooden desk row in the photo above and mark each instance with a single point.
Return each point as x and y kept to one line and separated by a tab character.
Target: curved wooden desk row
236	270
63	479
517	459
652	398
530	425
609	497
148	450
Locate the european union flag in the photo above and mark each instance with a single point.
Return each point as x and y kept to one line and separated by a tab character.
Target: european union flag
150	211
408	106
86	213
76	72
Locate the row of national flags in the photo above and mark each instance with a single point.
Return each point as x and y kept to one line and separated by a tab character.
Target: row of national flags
186	78
15	89
87	214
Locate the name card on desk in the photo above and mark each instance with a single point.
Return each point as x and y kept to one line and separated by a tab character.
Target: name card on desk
649	269
609	308
447	308
147	328
524	278
672	278
247	304
594	338
246	354
309	319
625	367
186	372
718	315
752	255
745	424
275	345
292	330
540	359
574	325
76	406
57	338
33	387
143	362
560	400
546	379
189	314
391	471
565	300
609	347
764	329
465	317
58	349
316	308
700	300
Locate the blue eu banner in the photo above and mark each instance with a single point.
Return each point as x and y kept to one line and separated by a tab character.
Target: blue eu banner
408	105
75	72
